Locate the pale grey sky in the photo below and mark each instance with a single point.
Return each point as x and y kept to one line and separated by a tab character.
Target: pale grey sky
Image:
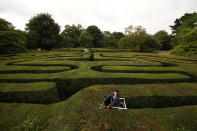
111	15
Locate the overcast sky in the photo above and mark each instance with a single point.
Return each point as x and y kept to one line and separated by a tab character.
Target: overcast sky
111	15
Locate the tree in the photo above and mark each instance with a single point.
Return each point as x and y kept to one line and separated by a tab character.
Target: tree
164	39
134	39
12	37
110	42
71	35
187	35
129	30
127	42
187	39
106	34
150	44
11	40
5	25
86	40
98	40
43	32
138	40
111	39
160	35
139	30
117	35
188	20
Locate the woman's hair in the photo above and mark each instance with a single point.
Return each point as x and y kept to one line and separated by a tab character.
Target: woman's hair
117	92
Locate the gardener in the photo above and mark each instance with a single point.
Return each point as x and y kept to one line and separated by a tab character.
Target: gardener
112	100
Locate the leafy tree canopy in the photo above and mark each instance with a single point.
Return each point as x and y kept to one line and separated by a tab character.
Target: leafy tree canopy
111	39
11	40
71	34
161	35
187	39
164	39
187	35
118	35
150	44
138	40
188	20
97	36
5	25
43	32
86	40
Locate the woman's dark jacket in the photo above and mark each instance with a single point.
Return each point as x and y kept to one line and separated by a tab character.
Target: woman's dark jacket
111	101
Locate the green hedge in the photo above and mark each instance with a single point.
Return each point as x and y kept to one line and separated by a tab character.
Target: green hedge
94	49
67	87
34	69
160	101
39	92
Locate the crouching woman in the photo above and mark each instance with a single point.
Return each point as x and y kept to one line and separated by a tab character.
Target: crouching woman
112	100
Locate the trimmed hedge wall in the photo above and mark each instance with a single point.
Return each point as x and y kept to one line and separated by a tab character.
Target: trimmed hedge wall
160	101
67	87
46	96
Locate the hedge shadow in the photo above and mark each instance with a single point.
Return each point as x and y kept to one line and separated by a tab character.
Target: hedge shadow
160	101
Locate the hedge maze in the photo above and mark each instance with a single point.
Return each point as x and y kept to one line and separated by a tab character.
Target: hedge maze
48	67
145	80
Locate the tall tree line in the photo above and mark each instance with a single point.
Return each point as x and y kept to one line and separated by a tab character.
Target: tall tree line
43	32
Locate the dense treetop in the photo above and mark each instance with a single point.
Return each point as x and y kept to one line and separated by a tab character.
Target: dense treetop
42	31
188	20
5	25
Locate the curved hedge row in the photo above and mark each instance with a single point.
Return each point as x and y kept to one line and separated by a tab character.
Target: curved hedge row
39	92
67	86
153	56
153	95
44	69
160	101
